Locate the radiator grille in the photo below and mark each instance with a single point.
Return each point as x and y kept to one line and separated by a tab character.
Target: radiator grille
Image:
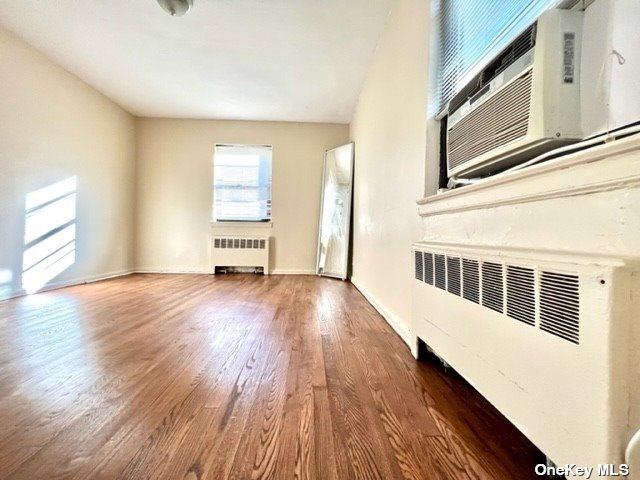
501	119
521	302
254	243
441	279
492	286
419	265
549	300
560	305
471	280
428	268
453	275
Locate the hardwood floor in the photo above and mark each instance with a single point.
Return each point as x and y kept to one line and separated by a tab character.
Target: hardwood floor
239	377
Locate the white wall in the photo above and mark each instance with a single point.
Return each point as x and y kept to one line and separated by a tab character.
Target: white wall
54	127
175	172
389	131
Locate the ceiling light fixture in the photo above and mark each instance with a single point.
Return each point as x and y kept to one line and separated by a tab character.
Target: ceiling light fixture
176	8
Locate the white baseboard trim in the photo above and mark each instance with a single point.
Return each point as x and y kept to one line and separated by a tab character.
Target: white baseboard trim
285	271
204	271
175	271
106	276
73	282
395	323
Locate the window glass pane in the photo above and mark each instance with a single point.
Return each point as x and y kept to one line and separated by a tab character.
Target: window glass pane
242	183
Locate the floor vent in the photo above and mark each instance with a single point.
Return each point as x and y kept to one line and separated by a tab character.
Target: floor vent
560	305
528	294
521	301
492	286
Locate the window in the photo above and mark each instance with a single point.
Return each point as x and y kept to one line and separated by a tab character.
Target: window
242	183
469	34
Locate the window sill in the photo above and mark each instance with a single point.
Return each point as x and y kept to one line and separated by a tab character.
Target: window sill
605	167
241	225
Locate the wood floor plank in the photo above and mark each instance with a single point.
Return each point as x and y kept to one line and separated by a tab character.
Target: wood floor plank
351	401
233	377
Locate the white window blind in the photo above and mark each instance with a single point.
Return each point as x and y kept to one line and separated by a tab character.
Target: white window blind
242	183
469	34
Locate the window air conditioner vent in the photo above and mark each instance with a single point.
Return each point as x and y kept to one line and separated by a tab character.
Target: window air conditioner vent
560	305
419	265
453	275
471	280
521	302
500	120
428	268
492	286
440	271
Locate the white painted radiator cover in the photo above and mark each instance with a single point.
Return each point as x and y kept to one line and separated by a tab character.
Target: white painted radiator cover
240	251
577	403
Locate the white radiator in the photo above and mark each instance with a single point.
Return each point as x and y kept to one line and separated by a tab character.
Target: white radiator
543	337
236	251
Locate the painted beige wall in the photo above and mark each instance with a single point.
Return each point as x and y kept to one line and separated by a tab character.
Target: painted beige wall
389	130
175	171
54	126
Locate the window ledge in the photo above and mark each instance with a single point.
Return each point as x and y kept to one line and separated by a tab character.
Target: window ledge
241	225
605	167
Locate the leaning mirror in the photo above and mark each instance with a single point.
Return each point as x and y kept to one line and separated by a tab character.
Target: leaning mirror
335	213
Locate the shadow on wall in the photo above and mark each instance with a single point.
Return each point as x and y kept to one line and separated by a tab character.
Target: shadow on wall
49	233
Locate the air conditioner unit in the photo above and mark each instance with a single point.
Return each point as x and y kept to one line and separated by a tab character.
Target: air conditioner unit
232	251
525	102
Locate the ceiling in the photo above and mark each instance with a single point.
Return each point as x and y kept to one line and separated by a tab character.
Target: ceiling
288	60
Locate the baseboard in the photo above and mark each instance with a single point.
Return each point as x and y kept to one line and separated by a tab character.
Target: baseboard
176	271
392	320
285	271
106	276
204	271
73	282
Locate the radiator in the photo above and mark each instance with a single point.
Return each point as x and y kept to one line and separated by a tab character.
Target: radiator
544	338
234	251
